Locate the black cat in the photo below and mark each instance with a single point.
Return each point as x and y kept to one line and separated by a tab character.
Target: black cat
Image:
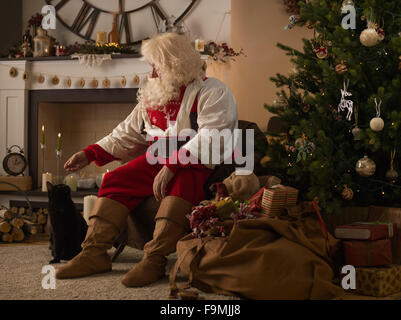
67	226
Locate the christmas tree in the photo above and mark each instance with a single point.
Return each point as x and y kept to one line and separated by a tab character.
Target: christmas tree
341	105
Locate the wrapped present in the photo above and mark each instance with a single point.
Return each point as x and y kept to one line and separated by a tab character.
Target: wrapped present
366	231
368	253
393	215
378	282
276	198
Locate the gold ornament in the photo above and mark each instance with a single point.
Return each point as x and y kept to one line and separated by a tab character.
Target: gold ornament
94	83
55	80
136	80
123	81
347	193
68	82
13	72
106	83
81	83
341	68
391	174
370	37
365	167
41	79
299	142
25	76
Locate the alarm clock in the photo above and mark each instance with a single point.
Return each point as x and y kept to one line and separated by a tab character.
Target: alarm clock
15	162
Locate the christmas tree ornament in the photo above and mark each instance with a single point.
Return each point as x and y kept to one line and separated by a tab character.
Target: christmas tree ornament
41	79
321	52
347	3
309	24
365	167
347	193
344	103
81	83
392	174
305	107
341	68
55	80
94	83
123	81
136	80
370	37
356	132
292	22
13	72
68	82
299	142
106	83
377	123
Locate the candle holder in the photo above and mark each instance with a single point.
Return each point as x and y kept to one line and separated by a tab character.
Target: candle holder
58	156
43	148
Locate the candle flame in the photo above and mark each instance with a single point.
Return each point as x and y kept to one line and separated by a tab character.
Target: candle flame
59	135
43	127
108	170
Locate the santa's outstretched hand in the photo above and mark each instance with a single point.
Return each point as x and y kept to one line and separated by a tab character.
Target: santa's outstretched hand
161	181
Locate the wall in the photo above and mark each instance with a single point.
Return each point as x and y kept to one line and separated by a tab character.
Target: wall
10	24
256	26
204	20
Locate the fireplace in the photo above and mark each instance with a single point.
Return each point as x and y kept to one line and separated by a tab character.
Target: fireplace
81	116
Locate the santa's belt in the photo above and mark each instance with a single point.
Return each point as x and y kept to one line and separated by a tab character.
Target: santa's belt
159	147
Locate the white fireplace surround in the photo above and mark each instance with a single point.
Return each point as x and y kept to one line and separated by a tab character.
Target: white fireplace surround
14	91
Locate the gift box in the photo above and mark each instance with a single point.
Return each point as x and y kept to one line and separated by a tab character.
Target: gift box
378	282
276	198
366	231
369	214
368	253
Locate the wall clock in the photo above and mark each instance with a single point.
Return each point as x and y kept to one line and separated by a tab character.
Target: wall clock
136	19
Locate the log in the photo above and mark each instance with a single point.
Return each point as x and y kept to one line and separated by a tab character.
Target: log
5	227
6	237
17	222
45	211
6	214
14	210
31	217
21	211
30	228
17	234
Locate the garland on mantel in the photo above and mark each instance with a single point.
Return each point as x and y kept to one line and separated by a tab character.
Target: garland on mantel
79	81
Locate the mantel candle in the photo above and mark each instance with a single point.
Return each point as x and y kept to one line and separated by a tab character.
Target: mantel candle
43	134
46	177
59	142
101	38
72	182
89	203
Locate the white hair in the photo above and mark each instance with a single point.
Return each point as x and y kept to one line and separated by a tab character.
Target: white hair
176	62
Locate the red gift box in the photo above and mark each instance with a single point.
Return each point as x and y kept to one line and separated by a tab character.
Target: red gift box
366	231
368	253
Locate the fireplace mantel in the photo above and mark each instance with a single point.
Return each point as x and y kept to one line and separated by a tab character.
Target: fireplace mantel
15	91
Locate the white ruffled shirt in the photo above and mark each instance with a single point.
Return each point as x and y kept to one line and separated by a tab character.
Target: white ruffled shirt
217	109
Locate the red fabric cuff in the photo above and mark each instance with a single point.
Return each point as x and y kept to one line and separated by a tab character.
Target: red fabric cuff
96	153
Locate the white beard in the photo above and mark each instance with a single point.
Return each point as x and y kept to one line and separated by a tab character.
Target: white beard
157	92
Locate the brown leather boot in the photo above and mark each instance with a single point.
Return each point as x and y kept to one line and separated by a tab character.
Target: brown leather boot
171	225
107	220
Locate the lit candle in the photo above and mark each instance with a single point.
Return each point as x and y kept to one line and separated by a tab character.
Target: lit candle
72	182
89	203
46	177
59	142
43	134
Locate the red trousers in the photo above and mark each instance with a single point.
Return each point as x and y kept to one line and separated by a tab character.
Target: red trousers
133	182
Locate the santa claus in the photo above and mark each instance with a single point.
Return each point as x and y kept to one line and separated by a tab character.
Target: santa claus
176	97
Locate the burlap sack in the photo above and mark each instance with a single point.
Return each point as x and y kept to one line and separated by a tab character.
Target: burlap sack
264	258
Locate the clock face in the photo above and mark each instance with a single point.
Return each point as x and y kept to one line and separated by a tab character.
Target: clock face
136	19
14	164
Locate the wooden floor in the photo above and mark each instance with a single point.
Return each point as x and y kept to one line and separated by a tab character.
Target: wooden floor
43	238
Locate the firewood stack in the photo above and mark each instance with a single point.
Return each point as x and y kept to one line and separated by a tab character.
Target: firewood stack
17	224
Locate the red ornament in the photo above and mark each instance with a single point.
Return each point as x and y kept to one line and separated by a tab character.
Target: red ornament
321	52
381	34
